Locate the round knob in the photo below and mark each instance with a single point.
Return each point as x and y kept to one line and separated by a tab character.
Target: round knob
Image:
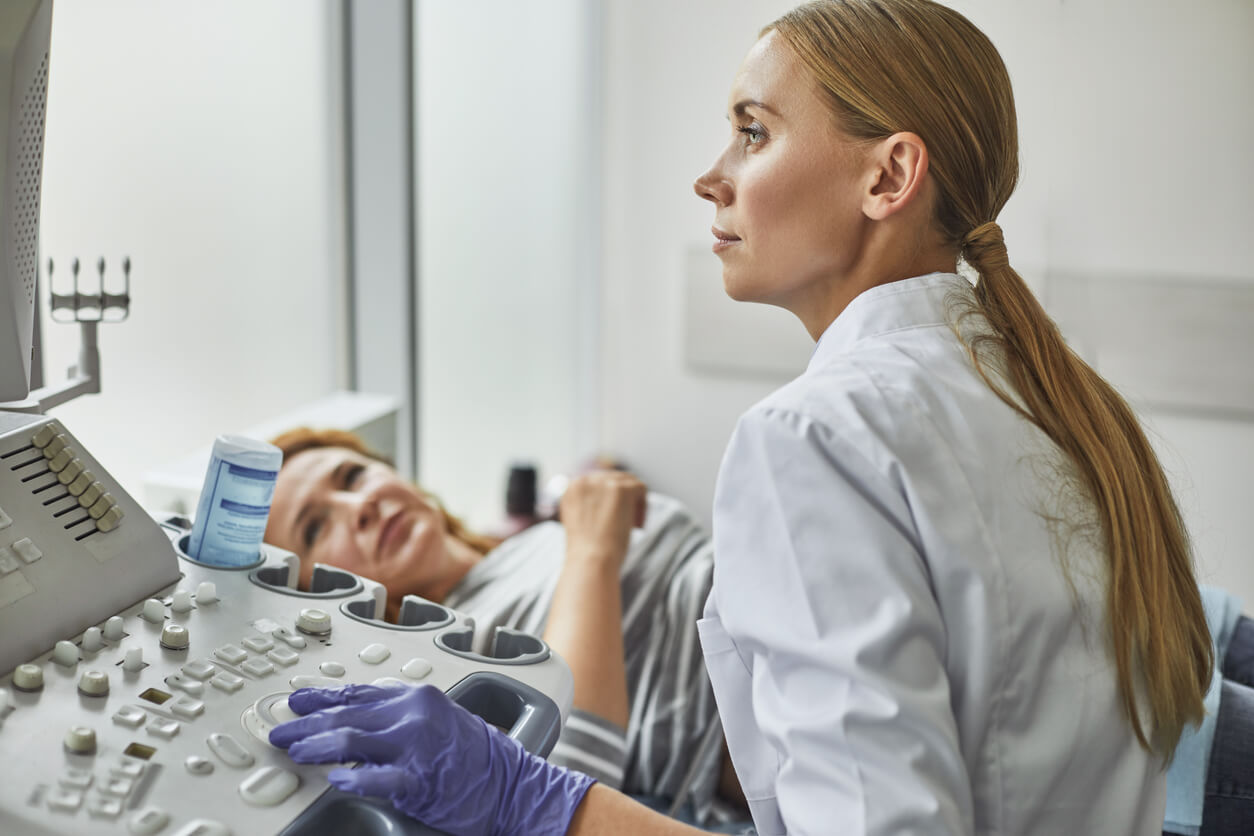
182	601
174	637
81	740
65	654
154	611
315	622
113	629
94	683
206	592
91	640
134	660
28	678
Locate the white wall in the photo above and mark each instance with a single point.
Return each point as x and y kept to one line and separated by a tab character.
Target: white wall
1133	120
201	139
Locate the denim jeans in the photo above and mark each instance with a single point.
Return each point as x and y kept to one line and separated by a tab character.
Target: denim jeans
1228	809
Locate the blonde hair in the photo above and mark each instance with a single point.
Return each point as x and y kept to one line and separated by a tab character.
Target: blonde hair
298	440
887	66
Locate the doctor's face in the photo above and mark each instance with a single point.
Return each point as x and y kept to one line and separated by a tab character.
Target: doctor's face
787	216
334	506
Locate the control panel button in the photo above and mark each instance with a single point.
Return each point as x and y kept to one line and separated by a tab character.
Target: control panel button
182	601
258	644
192	687
117	786
289	638
5	520
110	519
283	656
416	668
127	768
27	550
91	495
104	503
257	667
92	639
113	629
268	786
228	682
148	821
28	677
164	729
81	740
153	612
373	654
81	483
313	621
134	660
94	684
230	751
206	592
76	779
230	653
390	682
332	668
8	560
174	637
197	765
203	827
304	681
130	716
65	801
187	708
200	669
61	460
65	654
102	807
44	435
55	446
70	472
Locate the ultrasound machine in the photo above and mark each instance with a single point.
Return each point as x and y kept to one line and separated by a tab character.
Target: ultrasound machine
137	685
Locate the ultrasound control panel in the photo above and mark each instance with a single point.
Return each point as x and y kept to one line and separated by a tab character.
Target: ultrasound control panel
138	687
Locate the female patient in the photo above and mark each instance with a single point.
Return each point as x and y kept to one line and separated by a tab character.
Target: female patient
619	607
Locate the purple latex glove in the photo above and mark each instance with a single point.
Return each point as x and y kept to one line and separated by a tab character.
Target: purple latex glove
431	758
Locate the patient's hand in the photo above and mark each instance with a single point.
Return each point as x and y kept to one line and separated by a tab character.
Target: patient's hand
598	511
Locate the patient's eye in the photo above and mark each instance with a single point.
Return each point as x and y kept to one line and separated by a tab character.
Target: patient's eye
352	475
312	529
753	132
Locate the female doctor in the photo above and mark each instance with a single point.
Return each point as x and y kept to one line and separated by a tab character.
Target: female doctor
952	591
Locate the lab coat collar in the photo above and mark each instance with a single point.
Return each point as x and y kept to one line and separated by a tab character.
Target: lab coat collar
908	303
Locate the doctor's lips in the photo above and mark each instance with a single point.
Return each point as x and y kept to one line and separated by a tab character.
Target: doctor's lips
723	240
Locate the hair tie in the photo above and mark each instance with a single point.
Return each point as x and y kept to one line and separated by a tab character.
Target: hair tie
984	248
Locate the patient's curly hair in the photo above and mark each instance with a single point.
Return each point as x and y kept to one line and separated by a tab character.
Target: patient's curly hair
296	441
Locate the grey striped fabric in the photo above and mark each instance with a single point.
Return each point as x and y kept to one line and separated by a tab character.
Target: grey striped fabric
666	577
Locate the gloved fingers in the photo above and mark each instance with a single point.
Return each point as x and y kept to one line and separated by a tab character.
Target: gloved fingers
306	700
382	781
367	716
345	744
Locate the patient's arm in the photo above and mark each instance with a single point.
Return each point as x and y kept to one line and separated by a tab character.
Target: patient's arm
585	624
605	812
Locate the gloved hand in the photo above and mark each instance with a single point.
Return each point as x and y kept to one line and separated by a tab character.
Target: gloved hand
431	758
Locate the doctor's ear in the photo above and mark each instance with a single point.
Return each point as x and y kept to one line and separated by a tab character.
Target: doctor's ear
896	170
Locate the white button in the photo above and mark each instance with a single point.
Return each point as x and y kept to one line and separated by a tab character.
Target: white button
27	550
373	654
28	677
148	821
8	561
203	827
390	682
197	765
104	808
164	729
230	751
314	621
65	654
154	611
289	638
199	669
231	653
268	786
44	435
131	716
66	801
110	519
283	656
80	740
91	639
257	644
416	668
303	681
117	786
113	629
134	660
228	682
127	768
187	708
257	667
94	684
182	601
332	668
174	637
188	686
206	592
76	779
5	520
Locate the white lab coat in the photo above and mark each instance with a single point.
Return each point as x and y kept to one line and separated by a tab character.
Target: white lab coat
892	642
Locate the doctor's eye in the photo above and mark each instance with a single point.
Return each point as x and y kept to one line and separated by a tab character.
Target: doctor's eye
754	133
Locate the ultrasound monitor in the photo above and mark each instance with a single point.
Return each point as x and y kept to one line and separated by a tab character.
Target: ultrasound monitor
25	30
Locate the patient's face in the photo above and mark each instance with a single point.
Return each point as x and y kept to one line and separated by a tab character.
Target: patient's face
334	506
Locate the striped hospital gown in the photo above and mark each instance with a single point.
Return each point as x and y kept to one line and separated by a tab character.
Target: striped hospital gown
666	576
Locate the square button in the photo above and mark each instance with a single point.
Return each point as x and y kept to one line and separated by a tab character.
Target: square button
164	729
258	644
8	561
187	708
66	801
27	550
75	779
200	669
258	667
101	807
131	716
117	786
234	654
283	656
228	682
126	768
